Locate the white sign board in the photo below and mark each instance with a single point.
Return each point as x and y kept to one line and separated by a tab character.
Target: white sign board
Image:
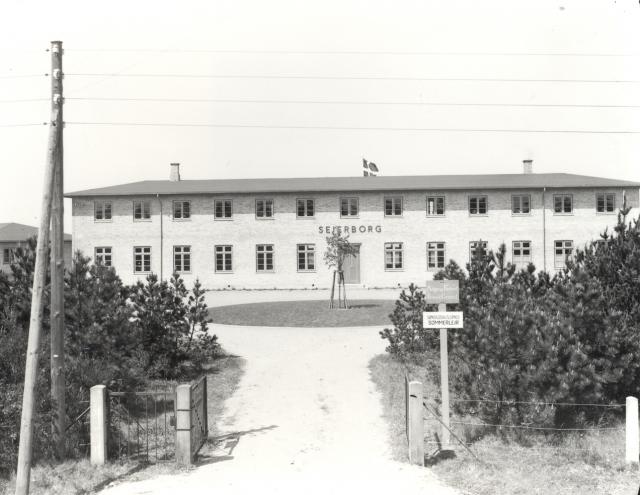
442	291
442	319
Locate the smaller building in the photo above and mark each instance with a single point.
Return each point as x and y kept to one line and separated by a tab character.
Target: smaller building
14	235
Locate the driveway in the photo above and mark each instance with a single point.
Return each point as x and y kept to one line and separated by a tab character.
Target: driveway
305	419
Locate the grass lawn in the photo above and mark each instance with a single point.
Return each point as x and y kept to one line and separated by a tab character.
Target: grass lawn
79	476
305	314
579	464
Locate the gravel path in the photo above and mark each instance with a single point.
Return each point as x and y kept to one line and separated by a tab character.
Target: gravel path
305	419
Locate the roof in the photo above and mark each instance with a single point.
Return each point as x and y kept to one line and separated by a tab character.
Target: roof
353	184
17	232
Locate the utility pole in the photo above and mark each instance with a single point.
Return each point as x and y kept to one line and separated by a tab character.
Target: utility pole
57	261
25	452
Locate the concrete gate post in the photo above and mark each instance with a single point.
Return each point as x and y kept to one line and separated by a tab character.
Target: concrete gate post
98	424
183	425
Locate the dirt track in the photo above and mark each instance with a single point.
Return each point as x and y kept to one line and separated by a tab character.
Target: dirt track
305	419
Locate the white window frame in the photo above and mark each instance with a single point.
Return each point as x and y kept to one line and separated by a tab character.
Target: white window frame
520	205
605	197
145	210
100	255
182	258
142	252
267	205
396	250
562	197
560	259
436	255
305	207
181	210
223	202
395	200
473	245
478	198
225	252
436	200
521	260
263	253
350	202
7	256
308	251
100	211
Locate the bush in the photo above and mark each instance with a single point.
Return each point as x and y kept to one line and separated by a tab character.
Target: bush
570	338
407	338
117	335
171	327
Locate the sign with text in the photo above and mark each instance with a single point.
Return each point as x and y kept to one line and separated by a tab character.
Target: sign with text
442	292
442	319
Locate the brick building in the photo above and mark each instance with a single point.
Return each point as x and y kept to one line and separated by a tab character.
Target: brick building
14	235
270	233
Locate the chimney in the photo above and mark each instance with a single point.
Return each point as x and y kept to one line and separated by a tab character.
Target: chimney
527	166
175	172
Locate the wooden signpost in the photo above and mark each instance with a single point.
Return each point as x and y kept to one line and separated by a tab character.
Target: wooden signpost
443	292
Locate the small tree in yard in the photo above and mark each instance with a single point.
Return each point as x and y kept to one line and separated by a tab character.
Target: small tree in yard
201	345
407	339
338	250
171	325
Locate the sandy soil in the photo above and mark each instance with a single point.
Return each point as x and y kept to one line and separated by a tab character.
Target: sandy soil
305	419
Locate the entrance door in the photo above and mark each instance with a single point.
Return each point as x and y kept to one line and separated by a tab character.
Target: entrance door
351	267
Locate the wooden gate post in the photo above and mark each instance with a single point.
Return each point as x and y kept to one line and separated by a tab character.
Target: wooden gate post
632	451
98	424
183	425
415	424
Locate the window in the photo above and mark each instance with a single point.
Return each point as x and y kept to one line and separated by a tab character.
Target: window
562	203
478	205
605	202
306	257
224	259
102	211
182	259
474	248
435	206
562	252
142	259
181	210
264	258
264	208
103	256
223	209
7	256
348	207
141	210
435	255
521	253
305	208
393	206
520	204
393	256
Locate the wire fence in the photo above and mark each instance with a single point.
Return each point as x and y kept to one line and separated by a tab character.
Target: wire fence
599	442
538	403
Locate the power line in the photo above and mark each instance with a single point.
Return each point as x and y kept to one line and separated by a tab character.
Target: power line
350	52
24	125
21	76
343	102
24	100
352	78
344	128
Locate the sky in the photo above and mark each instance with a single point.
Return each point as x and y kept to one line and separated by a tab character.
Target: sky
311	88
